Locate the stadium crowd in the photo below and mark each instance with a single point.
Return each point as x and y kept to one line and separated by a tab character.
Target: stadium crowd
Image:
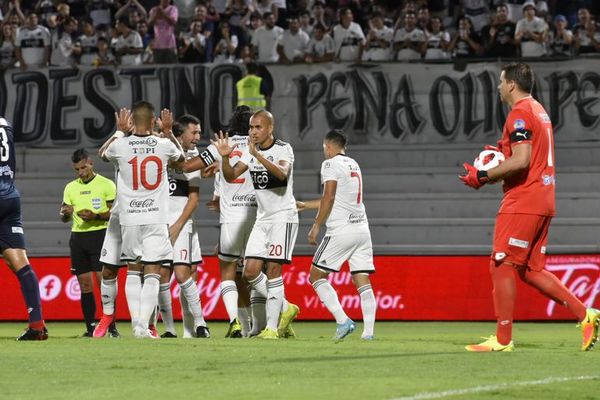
38	33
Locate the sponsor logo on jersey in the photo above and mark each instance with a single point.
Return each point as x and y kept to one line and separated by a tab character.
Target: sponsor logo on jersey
146	203
518	243
17	229
84	192
265	180
519	124
356	218
248	197
499	256
96	203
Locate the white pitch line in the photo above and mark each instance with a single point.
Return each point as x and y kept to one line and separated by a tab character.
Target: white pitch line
490	388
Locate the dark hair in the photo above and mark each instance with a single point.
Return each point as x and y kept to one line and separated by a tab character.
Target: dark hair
337	137
267	14
79	155
178	129
377	14
239	124
521	74
320	26
187	119
124	21
252	68
102	39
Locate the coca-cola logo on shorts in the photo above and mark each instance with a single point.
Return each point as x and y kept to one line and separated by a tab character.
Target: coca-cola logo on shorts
146	203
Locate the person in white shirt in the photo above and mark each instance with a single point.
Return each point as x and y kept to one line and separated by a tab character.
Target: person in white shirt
478	12
227	45
531	33
265	40
87	44
7	47
409	40
347	238
560	40
33	44
379	39
293	43
129	45
438	41
63	48
349	38
270	163
321	47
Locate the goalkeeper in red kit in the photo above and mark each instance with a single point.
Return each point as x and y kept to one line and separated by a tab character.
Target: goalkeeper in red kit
527	207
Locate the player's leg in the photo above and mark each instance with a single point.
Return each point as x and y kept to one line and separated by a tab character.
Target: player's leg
81	267
189	291
232	239
131	250
88	301
244	312
282	236
361	266
327	295
165	305
186	314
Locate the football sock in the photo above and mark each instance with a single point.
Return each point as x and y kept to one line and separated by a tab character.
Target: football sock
229	294
148	299
133	290
187	317
329	297
190	291
165	306
260	284
550	286
244	317
504	293
259	315
88	306
369	308
108	292
31	293
274	302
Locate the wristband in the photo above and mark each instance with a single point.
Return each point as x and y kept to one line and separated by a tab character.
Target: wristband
482	176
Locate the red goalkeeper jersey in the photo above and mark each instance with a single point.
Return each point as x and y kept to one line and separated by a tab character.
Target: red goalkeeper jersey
530	191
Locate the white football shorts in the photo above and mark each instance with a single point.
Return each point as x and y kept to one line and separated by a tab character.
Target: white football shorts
111	247
233	238
186	249
272	241
148	243
356	248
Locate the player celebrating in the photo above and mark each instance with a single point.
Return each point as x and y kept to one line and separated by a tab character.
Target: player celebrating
270	163
143	193
12	240
347	238
528	205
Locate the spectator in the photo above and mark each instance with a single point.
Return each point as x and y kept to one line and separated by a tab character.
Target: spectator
142	29
245	55
64	49
583	17
588	41
515	9
192	48
499	37
319	17
305	23
561	39
105	56
8	57
531	33
409	40
236	12
281	16
349	38
466	43
134	10
438	41
46	9
265	40
33	44
227	45
477	12
293	43
265	6
164	47
423	18
128	45
255	23
379	40
15	12
101	12
201	15
321	47
87	44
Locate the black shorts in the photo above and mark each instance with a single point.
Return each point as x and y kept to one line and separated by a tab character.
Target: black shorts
85	251
11	226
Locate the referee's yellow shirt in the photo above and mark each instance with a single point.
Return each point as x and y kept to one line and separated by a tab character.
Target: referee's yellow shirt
93	196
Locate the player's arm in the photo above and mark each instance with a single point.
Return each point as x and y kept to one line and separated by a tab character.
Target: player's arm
325	207
186	214
124	120
518	161
308	204
224	148
280	170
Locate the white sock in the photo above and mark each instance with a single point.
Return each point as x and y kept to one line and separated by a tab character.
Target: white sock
149	299
274	302
165	306
259	313
260	284
330	298
244	316
133	290
229	294
369	307
190	291
187	317
108	292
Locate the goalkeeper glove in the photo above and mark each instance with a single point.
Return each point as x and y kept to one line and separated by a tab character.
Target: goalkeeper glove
474	178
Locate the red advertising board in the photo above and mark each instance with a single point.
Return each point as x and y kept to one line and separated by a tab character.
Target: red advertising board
406	288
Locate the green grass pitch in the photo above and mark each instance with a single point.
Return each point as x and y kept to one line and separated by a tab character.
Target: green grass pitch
407	360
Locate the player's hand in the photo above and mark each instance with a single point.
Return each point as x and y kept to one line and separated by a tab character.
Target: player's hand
221	142
165	122
174	231
210	171
300	206
473	178
312	235
86	215
124	120
66	211
214	205
252	148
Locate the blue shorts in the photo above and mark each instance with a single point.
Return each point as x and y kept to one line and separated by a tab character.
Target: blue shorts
11	227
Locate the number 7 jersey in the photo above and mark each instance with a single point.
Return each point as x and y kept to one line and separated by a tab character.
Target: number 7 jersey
348	208
143	182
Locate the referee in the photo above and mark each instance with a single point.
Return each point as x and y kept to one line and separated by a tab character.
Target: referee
86	202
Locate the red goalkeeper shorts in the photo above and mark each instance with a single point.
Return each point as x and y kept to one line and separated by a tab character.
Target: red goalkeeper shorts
520	239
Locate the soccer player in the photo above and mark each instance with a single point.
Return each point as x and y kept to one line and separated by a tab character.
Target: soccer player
86	202
528	205
12	240
183	200
270	163
143	194
348	237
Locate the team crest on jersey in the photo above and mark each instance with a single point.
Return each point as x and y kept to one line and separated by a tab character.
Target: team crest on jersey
519	124
96	203
327	165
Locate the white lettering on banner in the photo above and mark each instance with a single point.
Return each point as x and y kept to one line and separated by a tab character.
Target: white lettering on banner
50	286
72	289
581	285
352	302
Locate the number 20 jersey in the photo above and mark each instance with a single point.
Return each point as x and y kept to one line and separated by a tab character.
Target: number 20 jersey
274	197
143	182
348	214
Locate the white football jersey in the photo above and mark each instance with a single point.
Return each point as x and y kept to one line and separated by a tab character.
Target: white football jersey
348	208
89	49
347	41
274	198
179	184
32	43
134	41
238	198
143	184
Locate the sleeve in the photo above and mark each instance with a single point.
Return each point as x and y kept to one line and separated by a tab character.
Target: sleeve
520	127
287	154
519	26
359	32
111	190
217	185
328	172
193	178
66	195
173	152
111	151
210	155
174	13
